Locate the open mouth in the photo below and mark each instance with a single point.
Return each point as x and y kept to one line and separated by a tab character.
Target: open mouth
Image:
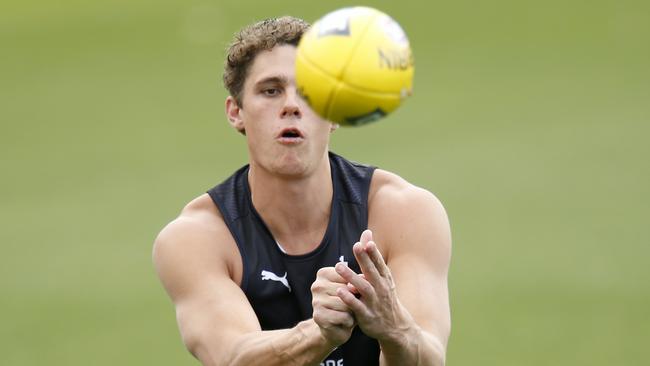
290	135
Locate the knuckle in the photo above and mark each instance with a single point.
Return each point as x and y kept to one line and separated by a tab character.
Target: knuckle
323	272
317	315
349	321
317	286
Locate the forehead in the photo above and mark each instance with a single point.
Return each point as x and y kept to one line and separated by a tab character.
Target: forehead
278	62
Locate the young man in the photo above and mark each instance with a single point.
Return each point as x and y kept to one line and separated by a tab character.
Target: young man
264	269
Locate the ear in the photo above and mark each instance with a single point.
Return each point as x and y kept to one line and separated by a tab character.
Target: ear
233	113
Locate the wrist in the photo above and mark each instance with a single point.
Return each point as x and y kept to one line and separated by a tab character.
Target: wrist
400	338
314	333
300	345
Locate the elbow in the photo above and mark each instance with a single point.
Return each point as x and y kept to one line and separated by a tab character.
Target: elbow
196	346
202	351
210	355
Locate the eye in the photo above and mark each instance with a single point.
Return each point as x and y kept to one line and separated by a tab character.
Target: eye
271	92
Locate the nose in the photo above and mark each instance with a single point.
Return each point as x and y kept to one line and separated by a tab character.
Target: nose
291	106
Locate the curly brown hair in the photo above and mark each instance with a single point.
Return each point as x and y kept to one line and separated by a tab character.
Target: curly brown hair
253	39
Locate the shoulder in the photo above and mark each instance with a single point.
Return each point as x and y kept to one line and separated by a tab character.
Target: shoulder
201	211
390	191
199	218
404	216
199	238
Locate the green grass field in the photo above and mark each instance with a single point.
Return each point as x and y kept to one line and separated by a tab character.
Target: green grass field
530	121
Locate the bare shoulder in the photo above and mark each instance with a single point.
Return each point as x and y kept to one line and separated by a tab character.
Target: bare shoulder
390	189
392	197
197	238
199	215
402	215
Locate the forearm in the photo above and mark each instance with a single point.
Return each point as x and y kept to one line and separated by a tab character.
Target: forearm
412	346
300	345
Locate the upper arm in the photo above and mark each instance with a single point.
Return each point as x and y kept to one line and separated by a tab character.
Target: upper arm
211	309
412	229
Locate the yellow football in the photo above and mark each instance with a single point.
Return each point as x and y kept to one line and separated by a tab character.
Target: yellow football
354	66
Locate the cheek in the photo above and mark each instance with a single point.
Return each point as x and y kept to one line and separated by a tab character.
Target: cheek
308	111
252	118
310	115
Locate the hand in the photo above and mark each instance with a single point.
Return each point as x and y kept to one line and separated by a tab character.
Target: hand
332	316
378	311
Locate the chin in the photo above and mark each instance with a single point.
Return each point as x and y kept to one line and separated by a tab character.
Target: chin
289	163
290	168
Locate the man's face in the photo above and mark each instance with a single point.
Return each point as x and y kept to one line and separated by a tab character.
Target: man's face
284	135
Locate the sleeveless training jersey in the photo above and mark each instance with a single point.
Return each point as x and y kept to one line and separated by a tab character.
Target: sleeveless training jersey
277	284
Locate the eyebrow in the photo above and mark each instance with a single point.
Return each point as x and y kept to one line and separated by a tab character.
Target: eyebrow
273	80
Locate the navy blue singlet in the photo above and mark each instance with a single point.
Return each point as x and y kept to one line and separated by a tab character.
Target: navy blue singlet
276	284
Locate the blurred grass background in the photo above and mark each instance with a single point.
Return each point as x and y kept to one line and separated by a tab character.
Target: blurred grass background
530	120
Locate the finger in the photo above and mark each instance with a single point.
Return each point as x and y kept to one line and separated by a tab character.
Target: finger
377	259
331	290
322	287
330	274
360	283
330	302
366	236
368	268
354	289
357	306
345	319
327	318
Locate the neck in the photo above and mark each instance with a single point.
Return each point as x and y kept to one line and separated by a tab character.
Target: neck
295	209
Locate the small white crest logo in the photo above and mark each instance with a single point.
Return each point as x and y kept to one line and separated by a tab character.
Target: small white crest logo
266	275
342	260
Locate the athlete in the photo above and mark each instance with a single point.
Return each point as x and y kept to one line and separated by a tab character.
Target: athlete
302	257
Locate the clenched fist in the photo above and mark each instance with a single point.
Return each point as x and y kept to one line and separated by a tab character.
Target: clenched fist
330	312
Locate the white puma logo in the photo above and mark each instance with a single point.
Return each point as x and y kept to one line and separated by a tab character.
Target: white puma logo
266	275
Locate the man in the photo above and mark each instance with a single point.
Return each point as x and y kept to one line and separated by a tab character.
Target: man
264	269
